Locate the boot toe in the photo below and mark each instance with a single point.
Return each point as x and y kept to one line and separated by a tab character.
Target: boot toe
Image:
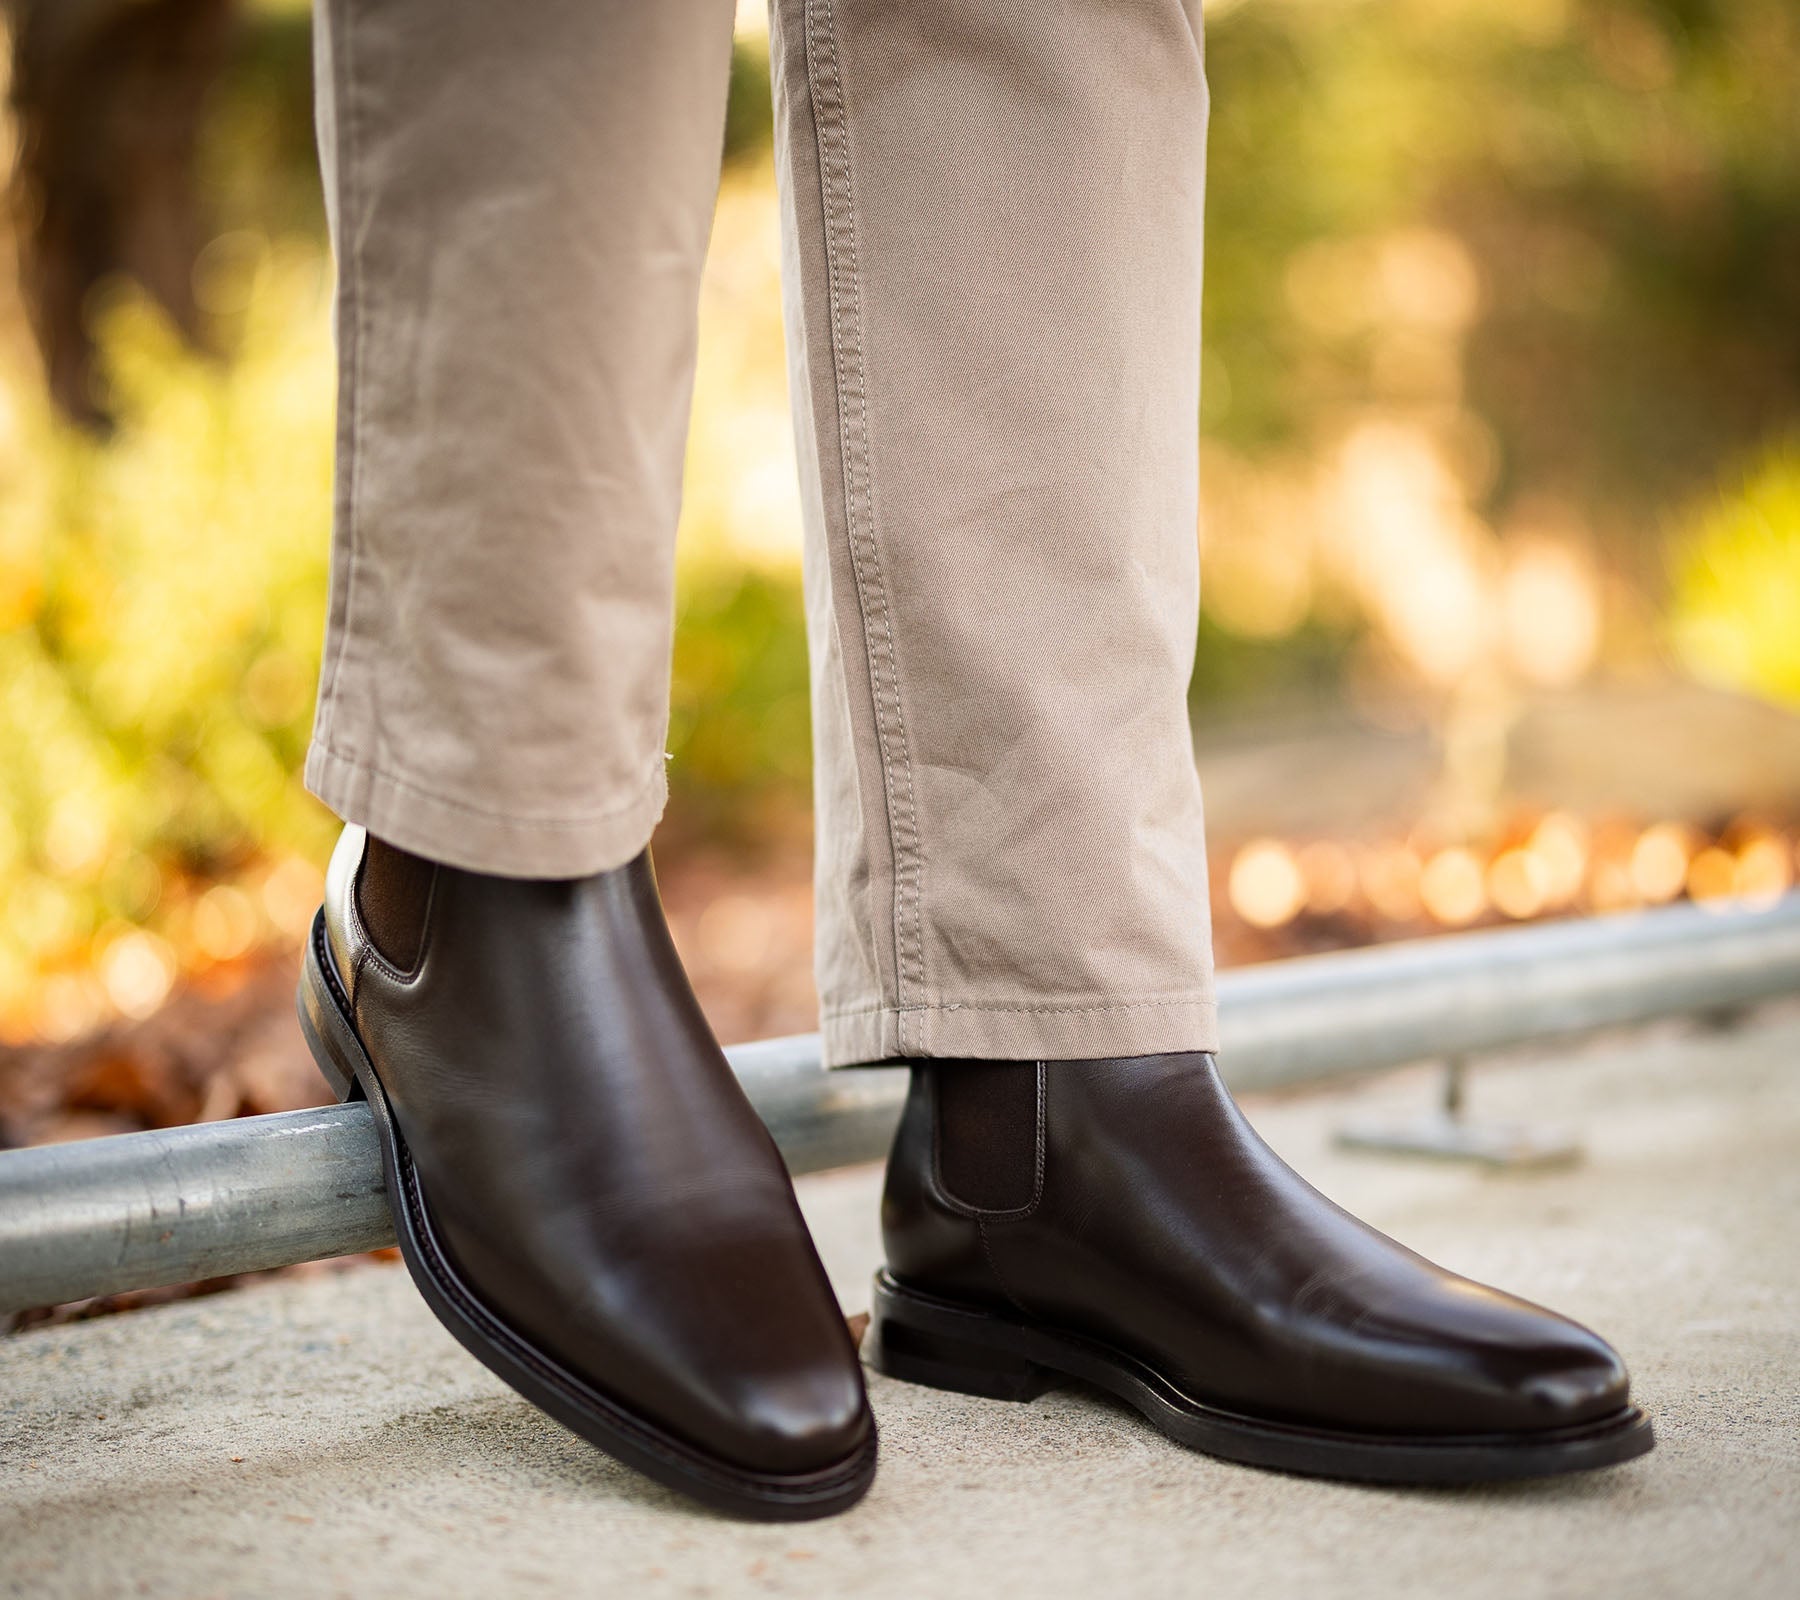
803	1422
1457	1358
1531	1371
1587	1383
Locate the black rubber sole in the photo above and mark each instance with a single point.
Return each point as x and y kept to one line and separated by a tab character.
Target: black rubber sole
921	1339
638	1442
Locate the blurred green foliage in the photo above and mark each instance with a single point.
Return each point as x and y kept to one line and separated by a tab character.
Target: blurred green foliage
739	720
1564	234
1625	175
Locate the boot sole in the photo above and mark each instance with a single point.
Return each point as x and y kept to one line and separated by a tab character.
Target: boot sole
921	1339
638	1442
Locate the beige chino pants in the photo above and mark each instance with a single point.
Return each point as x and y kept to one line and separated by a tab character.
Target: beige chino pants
992	243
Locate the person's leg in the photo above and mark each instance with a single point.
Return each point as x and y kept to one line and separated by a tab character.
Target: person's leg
520	198
993	217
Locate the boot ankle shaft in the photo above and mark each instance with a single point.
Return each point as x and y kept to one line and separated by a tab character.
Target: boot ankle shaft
393	897
985	1134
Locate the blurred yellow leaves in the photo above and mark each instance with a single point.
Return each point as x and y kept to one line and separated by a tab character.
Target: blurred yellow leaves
1413	277
1378	517
741	491
1384	527
161	595
1549	611
1735	611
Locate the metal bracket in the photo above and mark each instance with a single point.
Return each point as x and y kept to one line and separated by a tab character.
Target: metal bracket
1447	1134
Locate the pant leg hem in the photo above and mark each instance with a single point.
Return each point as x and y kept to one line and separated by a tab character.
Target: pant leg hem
443	828
1022	1033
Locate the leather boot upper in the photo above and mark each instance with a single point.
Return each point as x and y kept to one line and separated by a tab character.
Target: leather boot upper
592	1165
1138	1207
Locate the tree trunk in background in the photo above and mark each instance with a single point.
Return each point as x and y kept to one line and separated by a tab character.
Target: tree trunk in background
108	96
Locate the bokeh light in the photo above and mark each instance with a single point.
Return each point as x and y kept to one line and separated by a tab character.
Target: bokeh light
1451	887
1267	885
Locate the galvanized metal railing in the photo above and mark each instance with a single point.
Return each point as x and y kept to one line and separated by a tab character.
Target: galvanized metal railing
172	1206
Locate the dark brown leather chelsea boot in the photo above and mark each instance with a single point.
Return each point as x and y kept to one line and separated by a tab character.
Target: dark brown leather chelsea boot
1120	1222
581	1190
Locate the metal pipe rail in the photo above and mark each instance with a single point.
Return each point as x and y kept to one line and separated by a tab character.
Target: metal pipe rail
143	1209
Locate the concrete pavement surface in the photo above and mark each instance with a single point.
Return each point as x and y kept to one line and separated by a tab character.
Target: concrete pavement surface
322	1436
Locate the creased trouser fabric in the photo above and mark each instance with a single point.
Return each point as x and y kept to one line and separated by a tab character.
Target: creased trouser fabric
991	247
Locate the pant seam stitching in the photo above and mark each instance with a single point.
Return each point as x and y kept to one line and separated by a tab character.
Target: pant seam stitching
344	84
903	835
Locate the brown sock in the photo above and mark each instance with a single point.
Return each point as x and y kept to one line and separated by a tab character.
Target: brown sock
393	890
986	1134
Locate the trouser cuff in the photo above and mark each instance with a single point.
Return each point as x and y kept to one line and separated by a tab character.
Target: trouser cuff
1023	1032
444	828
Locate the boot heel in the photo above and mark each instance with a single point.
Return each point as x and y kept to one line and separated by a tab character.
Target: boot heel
322	1024
916	1356
343	1086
